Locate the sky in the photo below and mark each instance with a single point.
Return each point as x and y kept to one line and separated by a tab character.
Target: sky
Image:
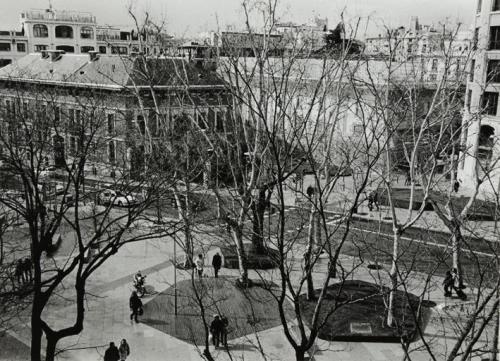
189	17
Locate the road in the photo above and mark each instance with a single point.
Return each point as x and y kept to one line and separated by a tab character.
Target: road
421	250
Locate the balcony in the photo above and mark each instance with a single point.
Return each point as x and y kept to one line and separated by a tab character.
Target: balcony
63	15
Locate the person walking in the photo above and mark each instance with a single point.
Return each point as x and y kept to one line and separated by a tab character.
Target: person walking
408	178
199	265
19	272
27	269
373	200
112	353
216	330
457	286
135	306
124	350
217	264
448	284
224	331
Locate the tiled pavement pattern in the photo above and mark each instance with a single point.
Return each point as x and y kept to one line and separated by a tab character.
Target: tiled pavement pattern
248	311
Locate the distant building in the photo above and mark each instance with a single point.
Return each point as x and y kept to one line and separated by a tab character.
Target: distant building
74	32
70	88
431	47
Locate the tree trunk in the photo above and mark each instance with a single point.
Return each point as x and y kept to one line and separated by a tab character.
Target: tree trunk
394	279
258	210
308	254
50	350
36	337
494	355
300	355
456	248
240	250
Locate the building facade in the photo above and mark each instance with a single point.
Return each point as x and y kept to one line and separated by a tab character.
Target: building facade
481	121
75	32
109	99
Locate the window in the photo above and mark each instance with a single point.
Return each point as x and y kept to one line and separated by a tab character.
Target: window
57	115
496	5
203	119
111	124
434	64
4	46
494	37
72	145
472	69
86	49
66	48
64	31
21	47
122	50
490	103
40	31
432	77
39	48
86	32
111	152
102	49
141	124
475	38
479	5
469	99
5	62
493	73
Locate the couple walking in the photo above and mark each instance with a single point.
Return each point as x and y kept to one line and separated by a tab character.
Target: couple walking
114	353
216	263
218	330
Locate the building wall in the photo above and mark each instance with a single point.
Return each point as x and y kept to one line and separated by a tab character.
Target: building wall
480	152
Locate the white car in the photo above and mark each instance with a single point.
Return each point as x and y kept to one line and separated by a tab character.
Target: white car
115	198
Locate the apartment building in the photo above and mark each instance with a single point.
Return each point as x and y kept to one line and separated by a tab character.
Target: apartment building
481	120
75	32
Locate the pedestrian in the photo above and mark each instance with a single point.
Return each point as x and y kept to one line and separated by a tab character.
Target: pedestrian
19	271
225	324
112	353
135	306
217	264
124	350
373	200
216	330
408	178
27	267
456	186
198	262
448	284
457	285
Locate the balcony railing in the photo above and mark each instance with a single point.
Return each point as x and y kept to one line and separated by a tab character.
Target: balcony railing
70	16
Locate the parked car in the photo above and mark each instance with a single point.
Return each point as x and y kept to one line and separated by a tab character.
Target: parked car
115	198
48	172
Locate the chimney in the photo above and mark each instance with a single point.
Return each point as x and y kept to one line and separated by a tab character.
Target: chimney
45	54
93	55
55	55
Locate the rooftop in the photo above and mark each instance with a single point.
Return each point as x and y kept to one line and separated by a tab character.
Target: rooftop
108	71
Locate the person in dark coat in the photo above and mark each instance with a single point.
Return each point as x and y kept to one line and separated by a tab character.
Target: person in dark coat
217	264
373	200
27	267
216	327
448	284
135	306
225	325
112	353
19	272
